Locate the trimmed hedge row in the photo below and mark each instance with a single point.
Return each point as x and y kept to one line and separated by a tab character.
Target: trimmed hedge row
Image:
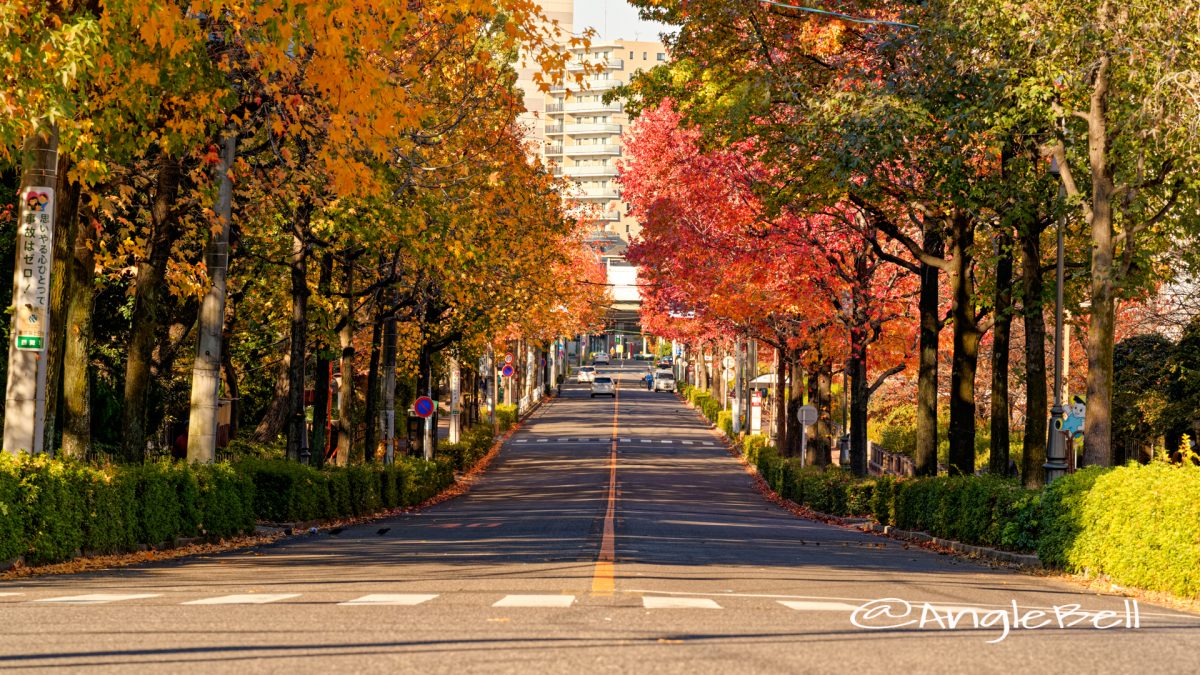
54	510
704	401
1139	524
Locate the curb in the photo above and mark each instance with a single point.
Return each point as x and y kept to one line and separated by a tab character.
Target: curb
1023	560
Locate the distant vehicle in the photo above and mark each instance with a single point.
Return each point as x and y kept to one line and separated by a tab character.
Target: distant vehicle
600	358
665	362
664	381
603	385
586	374
644	356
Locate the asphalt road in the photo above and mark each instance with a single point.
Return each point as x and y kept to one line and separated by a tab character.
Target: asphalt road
609	536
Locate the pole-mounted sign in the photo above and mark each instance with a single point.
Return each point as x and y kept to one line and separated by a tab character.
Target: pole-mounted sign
424	407
25	414
508	370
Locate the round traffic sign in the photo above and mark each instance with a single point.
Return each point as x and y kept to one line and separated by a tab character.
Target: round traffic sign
728	362
508	370
807	414
423	406
508	358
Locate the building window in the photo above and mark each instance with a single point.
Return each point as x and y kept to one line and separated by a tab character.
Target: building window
630	56
645	56
662	56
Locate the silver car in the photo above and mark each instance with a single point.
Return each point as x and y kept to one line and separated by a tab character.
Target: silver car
586	374
603	385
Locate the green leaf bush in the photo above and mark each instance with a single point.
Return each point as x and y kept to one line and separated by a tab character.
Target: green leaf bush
53	510
1139	524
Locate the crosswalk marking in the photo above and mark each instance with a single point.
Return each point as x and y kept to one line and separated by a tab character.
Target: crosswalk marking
98	598
812	606
543	440
647	440
521	440
535	601
5	595
391	599
686	442
244	599
626	440
668	441
660	602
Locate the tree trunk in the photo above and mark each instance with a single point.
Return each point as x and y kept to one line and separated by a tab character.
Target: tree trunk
1001	340
66	224
822	439
856	366
926	452
795	401
346	388
1033	453
780	400
1097	425
966	349
371	440
388	420
77	390
298	266
274	421
206	372
321	377
149	290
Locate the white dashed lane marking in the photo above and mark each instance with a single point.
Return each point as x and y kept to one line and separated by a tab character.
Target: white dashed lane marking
660	602
244	599
810	606
394	599
535	601
98	598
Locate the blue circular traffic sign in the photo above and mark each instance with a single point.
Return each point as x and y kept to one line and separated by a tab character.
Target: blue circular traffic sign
508	371
423	406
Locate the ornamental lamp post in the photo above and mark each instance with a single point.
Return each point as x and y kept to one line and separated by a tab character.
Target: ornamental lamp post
1056	449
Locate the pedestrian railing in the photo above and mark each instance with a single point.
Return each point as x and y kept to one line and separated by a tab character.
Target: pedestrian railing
881	461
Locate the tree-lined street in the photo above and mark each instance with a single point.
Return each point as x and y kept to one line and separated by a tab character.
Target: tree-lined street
708	577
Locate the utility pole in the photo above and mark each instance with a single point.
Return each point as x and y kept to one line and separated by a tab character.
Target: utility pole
25	411
1056	450
206	373
455	401
738	377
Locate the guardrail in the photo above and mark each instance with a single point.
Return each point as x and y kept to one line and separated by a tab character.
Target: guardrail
881	461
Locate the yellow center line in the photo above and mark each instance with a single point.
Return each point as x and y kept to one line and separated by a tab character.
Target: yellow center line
603	577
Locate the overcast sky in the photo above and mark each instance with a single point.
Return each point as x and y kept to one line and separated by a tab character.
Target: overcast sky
614	20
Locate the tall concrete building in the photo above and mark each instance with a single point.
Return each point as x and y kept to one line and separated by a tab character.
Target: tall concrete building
583	133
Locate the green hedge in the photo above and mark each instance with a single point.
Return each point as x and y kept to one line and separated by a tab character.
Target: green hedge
1137	524
54	510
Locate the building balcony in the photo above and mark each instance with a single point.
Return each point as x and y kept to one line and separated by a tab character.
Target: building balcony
590	150
604	217
554	128
554	149
554	107
587	171
610	64
578	107
589	128
607	194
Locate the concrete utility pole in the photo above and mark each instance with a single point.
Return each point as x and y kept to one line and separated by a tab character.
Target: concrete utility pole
389	390
206	373
1056	447
455	401
25	411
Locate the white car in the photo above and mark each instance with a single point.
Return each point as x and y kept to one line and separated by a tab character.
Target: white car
586	374
600	358
603	385
664	380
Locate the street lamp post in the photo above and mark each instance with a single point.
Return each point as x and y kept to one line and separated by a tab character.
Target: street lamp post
1056	449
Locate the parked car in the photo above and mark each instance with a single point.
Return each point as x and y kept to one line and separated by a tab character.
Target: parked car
603	385
665	362
585	374
664	380
643	356
600	358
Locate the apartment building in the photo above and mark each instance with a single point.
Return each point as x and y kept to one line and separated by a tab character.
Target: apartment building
582	133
